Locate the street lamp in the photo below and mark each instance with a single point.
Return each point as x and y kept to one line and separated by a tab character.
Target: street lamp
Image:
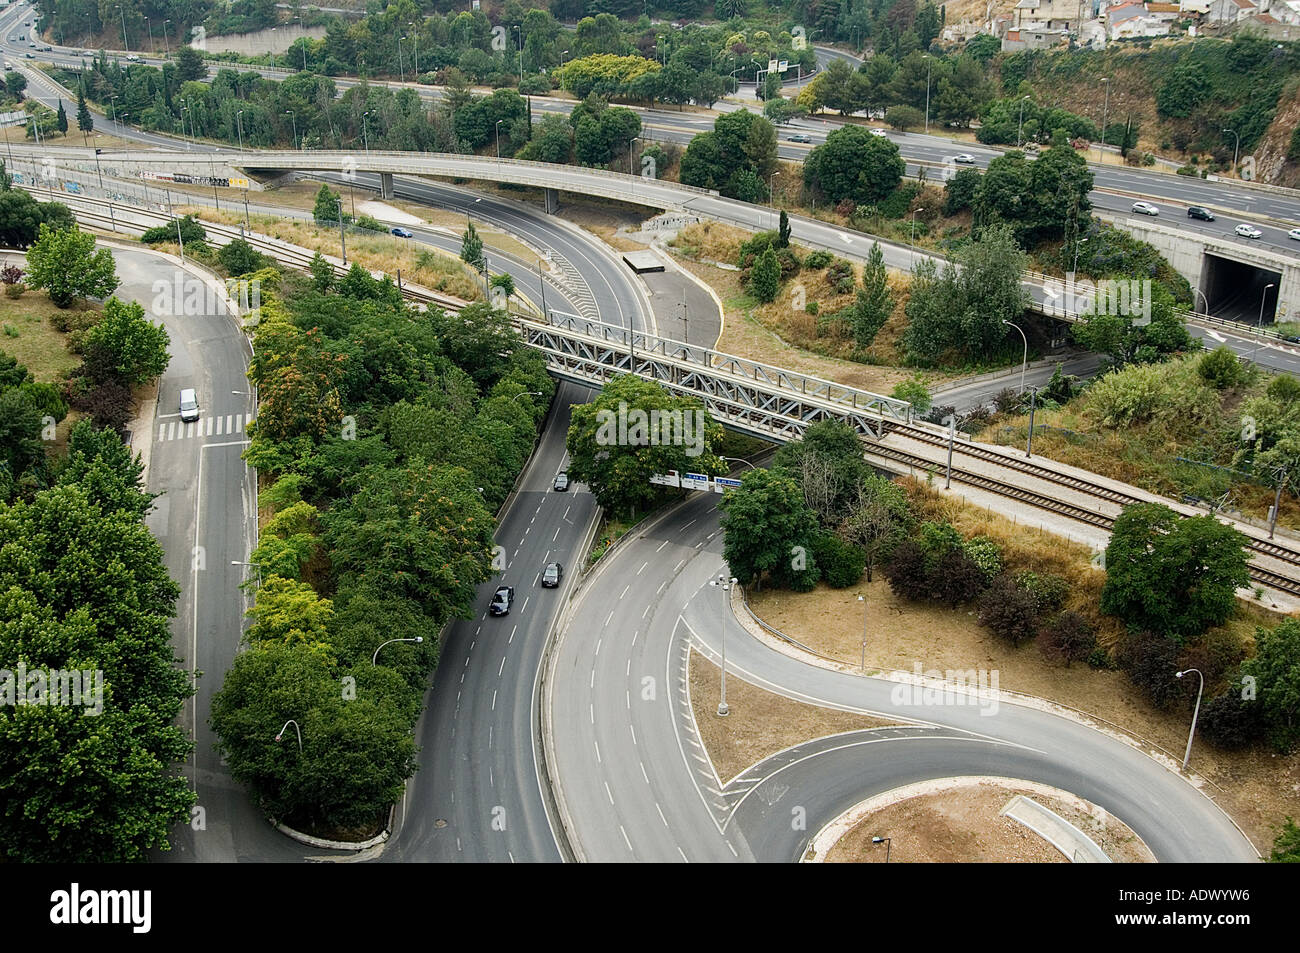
725	584
883	840
739	460
1033	400
290	113
498	131
1236	148
303	40
927	92
1021	126
1281	474
771	196
166	47
401	76
863	600
122	11
1259	327
364	131
914	214
1198	291
295	728
1024	363
520	29
1188	755
1077	242
527	393
1105	109
417	640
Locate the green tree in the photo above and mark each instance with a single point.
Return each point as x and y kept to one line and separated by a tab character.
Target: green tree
878	519
765	278
130	343
61	120
783	231
471	246
1170	574
67	266
290	613
853	164
322	273
328	207
1276	670
760	147
1186	89
875	302
85	119
766	527
189	65
615	449
1132	338
21	446
914	391
1286	846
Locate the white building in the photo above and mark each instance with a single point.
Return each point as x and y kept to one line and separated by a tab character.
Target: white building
1230	11
1047	15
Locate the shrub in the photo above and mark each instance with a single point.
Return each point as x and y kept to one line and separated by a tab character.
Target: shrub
1151	661
984	553
812	307
906	572
841	564
914	392
1048	589
1006	400
1221	369
1009	612
11	275
789	263
15	290
1069	638
1230	722
956	580
751	248
765	277
817	259
190	232
47	398
1284	388
240	258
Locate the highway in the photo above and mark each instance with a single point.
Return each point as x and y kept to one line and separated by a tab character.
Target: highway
636	784
1115	187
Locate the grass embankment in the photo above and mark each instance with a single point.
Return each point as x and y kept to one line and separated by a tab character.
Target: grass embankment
375	251
1145	425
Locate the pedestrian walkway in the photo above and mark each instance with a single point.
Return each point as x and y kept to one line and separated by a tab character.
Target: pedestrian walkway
203	427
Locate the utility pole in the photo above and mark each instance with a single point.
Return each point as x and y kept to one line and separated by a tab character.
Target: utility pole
1105	109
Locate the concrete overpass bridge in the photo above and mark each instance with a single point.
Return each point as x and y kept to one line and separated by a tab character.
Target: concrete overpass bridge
1229	265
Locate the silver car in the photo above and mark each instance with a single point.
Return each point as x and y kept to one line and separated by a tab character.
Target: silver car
1145	208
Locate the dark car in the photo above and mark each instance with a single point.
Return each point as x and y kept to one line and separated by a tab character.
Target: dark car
401	232
552	575
1204	214
502	600
561	482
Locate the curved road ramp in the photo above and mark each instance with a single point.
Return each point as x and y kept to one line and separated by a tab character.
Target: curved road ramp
1056	830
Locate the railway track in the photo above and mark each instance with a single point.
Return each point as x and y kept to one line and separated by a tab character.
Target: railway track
1265	577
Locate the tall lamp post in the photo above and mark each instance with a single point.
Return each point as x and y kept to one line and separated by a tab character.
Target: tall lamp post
166	47
1281	474
1021	126
1024	361
725	584
290	113
914	214
1236	149
927	92
863	600
771	196
1187	756
1259	326
498	132
1105	109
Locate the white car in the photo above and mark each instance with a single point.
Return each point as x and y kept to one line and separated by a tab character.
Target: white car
965	158
1145	208
1247	231
1294	233
133	58
880	132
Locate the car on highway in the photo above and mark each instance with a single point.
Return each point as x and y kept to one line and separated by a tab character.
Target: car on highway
189	405
1248	231
87	52
1145	208
799	137
1294	233
401	232
133	58
31	56
47	49
964	158
880	132
552	575
561	482
502	600
1204	214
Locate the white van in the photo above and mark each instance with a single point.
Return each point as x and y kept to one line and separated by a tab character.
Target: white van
189	405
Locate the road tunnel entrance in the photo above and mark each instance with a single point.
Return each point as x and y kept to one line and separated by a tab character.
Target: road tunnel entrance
1238	291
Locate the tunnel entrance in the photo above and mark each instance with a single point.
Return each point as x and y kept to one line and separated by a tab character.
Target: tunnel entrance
1234	290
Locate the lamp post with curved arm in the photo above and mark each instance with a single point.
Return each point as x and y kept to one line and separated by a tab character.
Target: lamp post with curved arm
417	640
1188	754
280	736
724	584
1024	362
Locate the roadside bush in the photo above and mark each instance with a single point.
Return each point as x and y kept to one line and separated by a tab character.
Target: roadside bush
1151	661
957	580
1221	369
1284	388
1230	722
47	398
914	391
841	564
1048	589
1009	612
240	258
1068	638
1007	400
839	274
789	263
190	232
984	553
817	259
107	403
906	572
751	248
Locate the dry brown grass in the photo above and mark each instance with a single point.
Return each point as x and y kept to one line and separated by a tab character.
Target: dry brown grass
421	265
761	723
